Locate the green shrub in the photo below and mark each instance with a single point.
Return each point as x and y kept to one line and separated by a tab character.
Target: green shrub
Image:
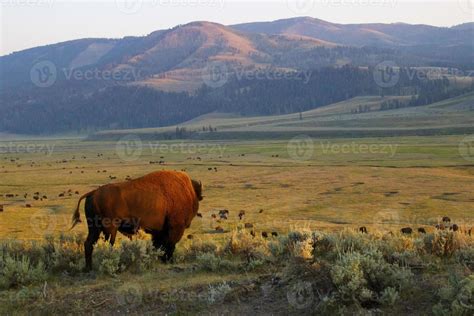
198	247
457	298
217	293
17	272
365	278
107	259
276	248
210	262
138	255
247	247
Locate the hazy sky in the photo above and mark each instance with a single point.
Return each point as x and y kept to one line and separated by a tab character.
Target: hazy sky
30	23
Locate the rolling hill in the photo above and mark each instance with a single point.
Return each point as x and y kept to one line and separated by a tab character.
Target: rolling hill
369	34
166	76
451	116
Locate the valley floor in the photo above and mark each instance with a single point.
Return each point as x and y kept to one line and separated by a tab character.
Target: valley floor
325	186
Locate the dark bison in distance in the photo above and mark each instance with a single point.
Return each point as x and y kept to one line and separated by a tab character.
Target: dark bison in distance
161	203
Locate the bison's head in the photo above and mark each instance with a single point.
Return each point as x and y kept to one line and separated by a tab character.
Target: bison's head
197	185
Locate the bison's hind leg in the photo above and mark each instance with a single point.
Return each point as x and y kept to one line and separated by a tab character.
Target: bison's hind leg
173	235
158	238
92	238
94	226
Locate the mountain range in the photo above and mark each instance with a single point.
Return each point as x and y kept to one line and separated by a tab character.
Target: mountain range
180	59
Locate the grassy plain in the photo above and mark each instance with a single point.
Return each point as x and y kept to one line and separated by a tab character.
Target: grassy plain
330	183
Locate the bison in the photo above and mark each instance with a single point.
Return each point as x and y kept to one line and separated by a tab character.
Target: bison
406	230
446	219
421	230
162	203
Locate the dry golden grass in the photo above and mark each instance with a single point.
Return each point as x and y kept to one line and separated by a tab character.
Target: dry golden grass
415	187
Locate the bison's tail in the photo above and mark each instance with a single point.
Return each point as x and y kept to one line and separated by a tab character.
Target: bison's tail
76	217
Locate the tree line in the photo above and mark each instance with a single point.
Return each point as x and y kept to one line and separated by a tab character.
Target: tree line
77	109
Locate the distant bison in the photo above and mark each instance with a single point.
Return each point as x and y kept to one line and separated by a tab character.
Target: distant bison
406	230
223	214
363	229
421	230
161	203
446	219
440	227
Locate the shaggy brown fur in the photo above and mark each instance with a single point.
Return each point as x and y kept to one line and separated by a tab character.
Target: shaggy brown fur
161	203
